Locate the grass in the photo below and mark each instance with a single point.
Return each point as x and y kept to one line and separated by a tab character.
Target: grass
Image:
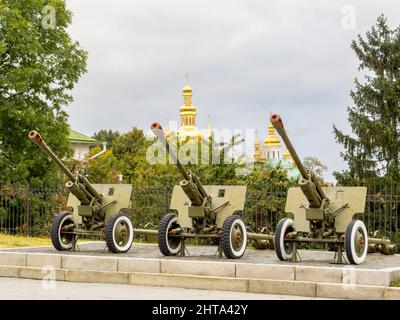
395	283
11	241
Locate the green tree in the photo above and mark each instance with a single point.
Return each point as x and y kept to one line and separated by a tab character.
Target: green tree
108	136
129	148
104	169
131	142
39	65
373	151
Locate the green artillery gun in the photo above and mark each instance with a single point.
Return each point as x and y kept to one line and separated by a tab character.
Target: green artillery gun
203	212
96	209
323	215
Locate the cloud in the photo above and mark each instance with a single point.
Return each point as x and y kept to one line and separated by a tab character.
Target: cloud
245	59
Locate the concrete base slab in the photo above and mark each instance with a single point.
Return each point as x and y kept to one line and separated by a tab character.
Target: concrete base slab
192	282
348	291
392	293
76	262
265	271
40	260
42	273
9	271
12	258
139	265
307	289
96	276
198	268
319	274
206	272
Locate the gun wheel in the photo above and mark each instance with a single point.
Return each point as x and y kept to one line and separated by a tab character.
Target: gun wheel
62	241
284	249
234	237
356	242
119	233
168	245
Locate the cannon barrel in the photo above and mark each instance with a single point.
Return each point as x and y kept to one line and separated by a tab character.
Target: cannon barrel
83	195
158	131
308	183
37	139
190	183
277	122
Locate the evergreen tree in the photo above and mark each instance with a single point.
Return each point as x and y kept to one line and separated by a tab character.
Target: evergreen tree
372	152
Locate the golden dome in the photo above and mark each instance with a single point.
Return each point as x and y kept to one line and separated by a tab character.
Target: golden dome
188	115
272	139
187	89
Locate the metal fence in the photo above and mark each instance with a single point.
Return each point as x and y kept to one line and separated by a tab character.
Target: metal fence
30	212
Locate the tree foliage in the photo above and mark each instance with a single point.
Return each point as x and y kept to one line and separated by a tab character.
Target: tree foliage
127	157
372	152
38	68
107	136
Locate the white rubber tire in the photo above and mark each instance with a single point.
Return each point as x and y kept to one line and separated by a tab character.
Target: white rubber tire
229	225
280	249
176	250
110	237
164	245
55	233
349	240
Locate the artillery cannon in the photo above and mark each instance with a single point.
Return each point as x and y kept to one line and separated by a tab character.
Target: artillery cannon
323	215
203	212
96	209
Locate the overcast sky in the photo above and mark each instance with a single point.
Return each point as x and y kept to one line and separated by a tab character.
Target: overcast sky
245	59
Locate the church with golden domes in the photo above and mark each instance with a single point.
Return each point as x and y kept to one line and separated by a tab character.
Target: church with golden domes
188	113
272	153
188	127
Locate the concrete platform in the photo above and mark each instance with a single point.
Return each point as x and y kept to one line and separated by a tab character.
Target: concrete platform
374	261
256	272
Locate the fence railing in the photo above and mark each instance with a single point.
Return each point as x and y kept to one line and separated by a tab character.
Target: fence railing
30	212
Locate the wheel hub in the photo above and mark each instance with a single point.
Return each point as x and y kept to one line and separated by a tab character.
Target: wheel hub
237	237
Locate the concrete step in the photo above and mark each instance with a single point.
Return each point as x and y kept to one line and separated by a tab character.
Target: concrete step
287	279
282	287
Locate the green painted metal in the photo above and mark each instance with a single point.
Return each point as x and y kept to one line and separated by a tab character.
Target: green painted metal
323	214
202	210
92	204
